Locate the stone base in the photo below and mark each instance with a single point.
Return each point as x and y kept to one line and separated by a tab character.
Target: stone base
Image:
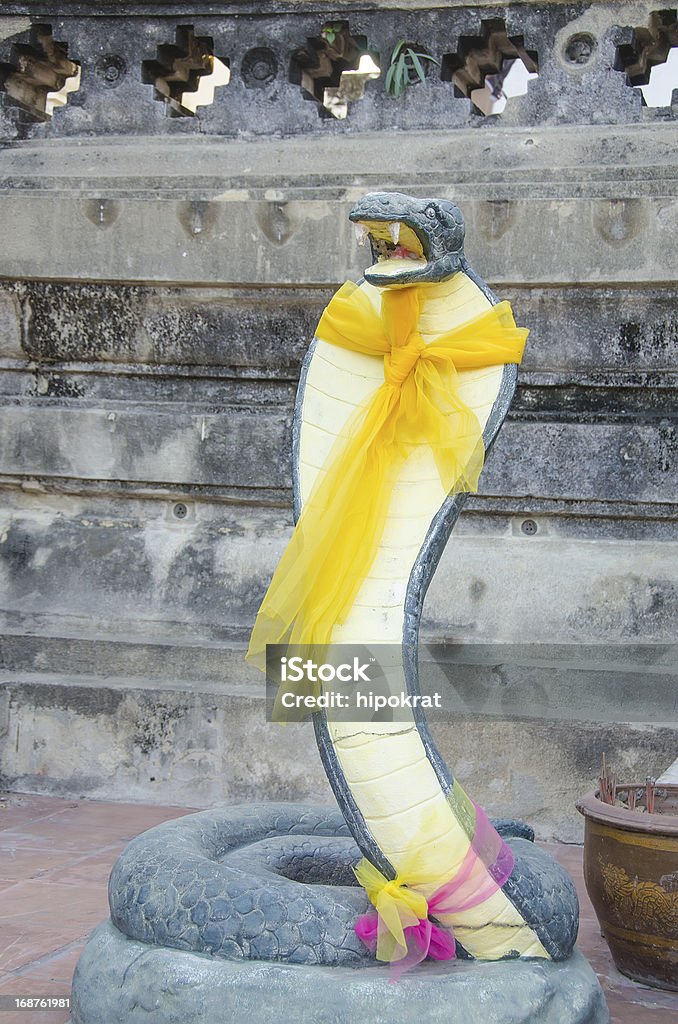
121	980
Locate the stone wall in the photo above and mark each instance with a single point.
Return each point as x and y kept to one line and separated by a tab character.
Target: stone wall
161	276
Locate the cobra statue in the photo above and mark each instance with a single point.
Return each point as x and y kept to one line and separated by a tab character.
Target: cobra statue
394	789
275	883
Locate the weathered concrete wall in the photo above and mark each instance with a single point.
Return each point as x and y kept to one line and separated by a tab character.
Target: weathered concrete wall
160	280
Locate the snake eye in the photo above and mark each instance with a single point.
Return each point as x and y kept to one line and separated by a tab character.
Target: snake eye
431	212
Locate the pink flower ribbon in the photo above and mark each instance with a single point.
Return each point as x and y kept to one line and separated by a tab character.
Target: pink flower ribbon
484	869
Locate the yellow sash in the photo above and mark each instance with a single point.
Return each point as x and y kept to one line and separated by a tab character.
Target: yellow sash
338	533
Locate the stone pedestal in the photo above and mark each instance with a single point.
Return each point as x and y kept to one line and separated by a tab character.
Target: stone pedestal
121	980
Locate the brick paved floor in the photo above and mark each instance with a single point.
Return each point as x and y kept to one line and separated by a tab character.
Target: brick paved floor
55	858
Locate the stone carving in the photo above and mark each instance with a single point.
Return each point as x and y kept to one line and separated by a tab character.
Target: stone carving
273	884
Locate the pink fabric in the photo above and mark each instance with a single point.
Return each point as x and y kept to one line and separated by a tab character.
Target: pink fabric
485	868
491	848
366	928
424	939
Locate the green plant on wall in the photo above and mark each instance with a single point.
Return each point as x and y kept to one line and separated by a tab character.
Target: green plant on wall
406	68
331	30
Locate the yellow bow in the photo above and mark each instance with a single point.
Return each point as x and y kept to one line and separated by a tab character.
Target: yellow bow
397	908
337	536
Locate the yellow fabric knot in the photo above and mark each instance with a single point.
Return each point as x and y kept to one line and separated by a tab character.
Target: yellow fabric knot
397	907
399	362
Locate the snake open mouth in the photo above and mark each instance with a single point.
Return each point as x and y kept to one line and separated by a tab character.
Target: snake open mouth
396	248
413	241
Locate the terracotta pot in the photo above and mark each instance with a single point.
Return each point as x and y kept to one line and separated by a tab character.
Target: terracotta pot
631	874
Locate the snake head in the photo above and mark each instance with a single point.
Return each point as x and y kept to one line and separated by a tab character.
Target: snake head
412	240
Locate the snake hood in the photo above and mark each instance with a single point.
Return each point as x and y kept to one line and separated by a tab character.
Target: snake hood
413	241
